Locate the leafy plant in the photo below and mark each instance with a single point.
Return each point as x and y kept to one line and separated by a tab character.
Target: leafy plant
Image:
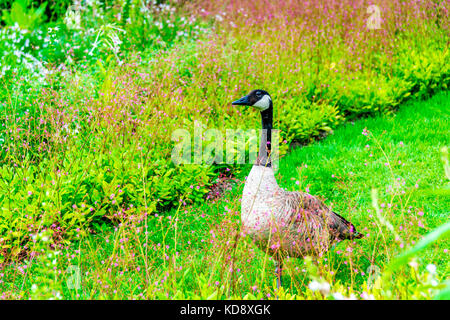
26	18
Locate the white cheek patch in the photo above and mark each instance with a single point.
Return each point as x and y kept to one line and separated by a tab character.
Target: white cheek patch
263	103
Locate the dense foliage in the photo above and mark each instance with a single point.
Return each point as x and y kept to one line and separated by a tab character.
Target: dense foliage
91	91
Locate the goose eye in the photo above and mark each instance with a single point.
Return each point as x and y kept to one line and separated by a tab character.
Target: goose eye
258	94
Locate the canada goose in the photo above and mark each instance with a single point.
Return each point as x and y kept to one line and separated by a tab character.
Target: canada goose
284	222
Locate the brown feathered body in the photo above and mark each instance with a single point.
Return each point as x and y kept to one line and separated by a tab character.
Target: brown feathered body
289	222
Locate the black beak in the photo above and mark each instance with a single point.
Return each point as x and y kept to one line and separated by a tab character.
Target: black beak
244	101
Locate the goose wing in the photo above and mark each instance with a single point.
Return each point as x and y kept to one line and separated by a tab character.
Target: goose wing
309	213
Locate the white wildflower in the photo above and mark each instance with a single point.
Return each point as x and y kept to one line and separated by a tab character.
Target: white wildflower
431	268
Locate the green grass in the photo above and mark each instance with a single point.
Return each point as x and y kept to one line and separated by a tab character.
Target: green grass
413	136
85	166
191	257
112	146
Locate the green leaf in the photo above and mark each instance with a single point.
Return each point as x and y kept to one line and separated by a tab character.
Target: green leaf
444	294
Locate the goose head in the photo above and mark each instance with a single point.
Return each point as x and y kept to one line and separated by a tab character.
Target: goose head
259	99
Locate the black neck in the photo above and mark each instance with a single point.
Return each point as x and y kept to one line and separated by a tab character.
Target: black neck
266	137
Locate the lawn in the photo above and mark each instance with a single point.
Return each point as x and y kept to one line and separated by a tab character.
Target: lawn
189	252
92	205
